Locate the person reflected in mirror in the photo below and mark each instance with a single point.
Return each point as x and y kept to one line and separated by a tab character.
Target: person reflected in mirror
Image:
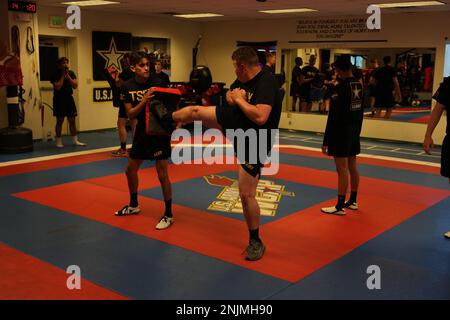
331	81
387	88
271	60
306	76
317	91
369	88
295	84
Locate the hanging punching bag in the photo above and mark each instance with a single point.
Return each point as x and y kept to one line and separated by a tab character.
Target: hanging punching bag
14	139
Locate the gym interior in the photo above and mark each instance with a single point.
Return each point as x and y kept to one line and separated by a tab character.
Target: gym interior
58	203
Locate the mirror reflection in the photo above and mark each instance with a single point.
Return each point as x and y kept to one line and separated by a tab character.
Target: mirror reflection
398	82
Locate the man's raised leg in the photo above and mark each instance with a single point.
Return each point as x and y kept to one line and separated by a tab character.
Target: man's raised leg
207	115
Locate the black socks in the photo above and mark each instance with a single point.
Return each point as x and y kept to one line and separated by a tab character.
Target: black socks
254	235
353	197
168	212
133	199
123	145
341	202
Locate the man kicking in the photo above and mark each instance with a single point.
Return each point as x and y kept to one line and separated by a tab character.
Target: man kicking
253	104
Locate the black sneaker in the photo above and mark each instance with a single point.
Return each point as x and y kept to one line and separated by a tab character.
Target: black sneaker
255	250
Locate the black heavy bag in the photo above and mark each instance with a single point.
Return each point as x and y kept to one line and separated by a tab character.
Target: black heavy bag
200	79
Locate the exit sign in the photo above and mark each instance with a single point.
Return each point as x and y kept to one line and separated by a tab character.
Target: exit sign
56	22
22	6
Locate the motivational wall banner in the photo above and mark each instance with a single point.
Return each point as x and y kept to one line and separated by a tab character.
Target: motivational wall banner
338	28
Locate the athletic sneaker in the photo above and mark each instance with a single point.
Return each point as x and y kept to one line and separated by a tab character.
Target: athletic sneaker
119	153
164	223
333	210
255	250
351	206
447	235
127	210
59	143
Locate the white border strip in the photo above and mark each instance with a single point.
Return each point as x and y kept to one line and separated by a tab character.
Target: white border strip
281	146
57	156
365	155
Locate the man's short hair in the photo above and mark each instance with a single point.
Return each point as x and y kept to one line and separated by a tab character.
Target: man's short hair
298	60
245	55
387	60
343	63
63	60
136	57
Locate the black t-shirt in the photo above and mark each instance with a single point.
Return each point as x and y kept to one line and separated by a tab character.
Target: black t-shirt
442	96
66	89
164	77
384	76
309	72
296	71
262	89
319	80
279	77
346	110
133	92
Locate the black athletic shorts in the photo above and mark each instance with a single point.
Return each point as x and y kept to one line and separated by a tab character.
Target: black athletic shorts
122	111
371	91
445	157
305	94
147	147
64	106
384	100
294	90
229	119
345	143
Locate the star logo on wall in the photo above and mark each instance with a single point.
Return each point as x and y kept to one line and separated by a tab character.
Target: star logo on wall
112	56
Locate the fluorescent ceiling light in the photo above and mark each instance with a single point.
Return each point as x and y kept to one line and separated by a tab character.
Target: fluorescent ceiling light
198	15
409	4
90	3
288	10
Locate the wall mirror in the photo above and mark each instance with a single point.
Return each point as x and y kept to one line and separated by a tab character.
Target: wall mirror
413	67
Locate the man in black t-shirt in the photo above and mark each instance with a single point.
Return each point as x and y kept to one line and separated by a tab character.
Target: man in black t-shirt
64	82
135	95
442	97
253	105
342	134
306	76
385	81
295	84
161	74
